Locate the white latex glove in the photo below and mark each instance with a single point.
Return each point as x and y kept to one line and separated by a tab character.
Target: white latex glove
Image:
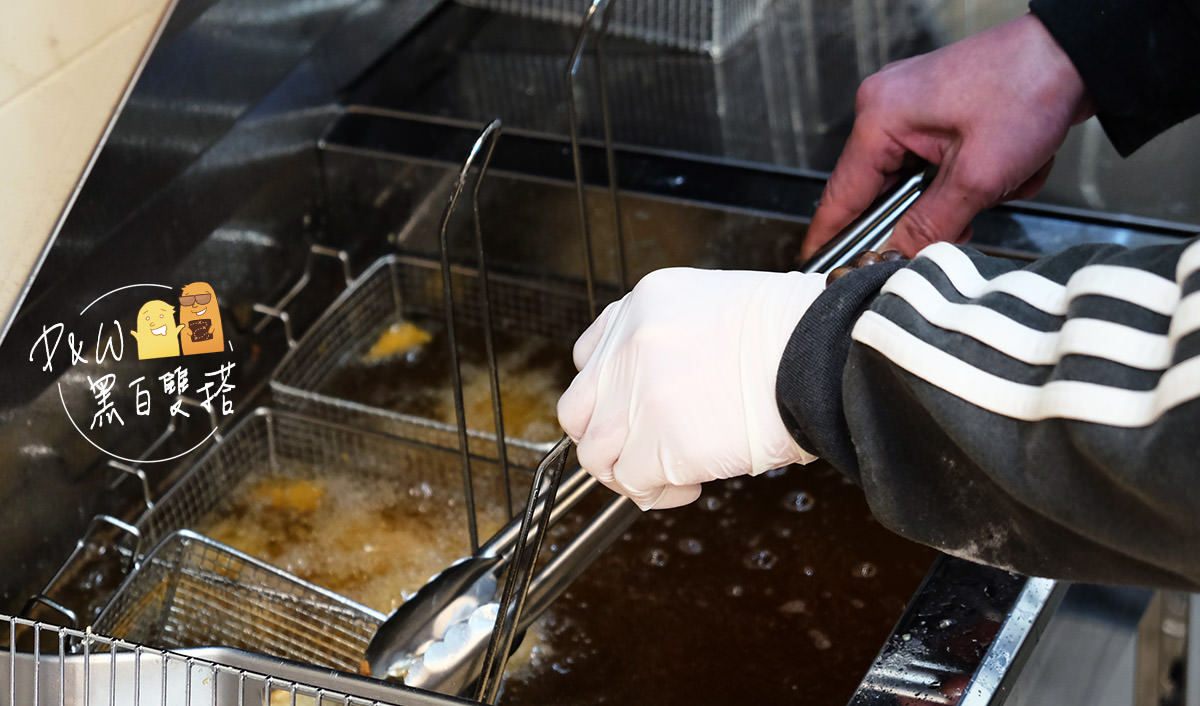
677	382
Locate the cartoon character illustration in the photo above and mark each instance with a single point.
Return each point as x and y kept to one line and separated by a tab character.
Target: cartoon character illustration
199	312
157	335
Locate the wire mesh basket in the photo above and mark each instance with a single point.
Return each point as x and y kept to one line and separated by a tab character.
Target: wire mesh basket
708	26
358	512
404	288
194	592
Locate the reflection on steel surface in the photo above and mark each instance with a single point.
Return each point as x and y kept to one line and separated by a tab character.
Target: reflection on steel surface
963	638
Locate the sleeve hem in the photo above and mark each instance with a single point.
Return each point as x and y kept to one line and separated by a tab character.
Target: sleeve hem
808	387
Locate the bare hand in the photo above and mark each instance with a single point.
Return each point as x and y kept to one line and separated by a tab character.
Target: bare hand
990	111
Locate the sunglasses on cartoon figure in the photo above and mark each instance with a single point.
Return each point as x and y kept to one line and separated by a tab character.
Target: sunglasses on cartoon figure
200	299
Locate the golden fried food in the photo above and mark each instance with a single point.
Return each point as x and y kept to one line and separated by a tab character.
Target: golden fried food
401	338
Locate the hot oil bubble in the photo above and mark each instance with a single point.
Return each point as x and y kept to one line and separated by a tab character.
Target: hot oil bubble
655	557
793	607
735	590
865	570
710	503
819	639
761	560
690	545
798	501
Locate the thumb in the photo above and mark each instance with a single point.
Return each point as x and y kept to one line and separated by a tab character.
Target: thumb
942	213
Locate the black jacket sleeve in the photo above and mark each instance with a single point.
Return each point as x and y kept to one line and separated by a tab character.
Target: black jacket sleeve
1043	419
1140	60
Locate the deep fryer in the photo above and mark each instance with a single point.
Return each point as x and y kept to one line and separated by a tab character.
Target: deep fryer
296	146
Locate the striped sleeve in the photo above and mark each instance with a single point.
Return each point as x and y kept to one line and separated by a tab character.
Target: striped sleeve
1042	418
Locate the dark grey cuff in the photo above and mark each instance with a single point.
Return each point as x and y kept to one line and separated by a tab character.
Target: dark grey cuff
808	387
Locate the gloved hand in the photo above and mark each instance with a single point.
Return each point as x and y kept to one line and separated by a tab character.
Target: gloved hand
677	382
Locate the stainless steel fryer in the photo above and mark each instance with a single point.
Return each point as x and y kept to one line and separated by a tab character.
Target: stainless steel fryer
237	172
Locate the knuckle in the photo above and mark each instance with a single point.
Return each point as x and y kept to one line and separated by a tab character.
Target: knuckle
596	459
870	93
657	279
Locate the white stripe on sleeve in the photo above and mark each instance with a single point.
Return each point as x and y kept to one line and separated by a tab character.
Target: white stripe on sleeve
1189	262
1066	399
1145	289
1091	337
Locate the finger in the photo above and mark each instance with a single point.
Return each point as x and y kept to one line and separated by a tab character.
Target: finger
942	213
963	236
857	179
597	455
591	337
577	404
1033	184
675	496
650	472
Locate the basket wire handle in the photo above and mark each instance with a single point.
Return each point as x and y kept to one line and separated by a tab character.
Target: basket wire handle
549	472
279	309
485	144
601	9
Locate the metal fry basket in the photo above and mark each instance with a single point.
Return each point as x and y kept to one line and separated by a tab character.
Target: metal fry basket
269	446
397	288
708	26
194	592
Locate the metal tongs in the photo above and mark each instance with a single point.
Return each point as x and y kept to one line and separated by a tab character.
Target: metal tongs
873	228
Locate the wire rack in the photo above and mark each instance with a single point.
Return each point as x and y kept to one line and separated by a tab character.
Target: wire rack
69	667
400	287
708	26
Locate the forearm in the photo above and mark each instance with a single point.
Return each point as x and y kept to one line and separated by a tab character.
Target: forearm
1140	60
1037	418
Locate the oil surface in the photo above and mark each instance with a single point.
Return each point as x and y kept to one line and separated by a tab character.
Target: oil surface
778	589
370	538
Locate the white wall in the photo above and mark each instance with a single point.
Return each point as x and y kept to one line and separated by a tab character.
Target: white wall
64	66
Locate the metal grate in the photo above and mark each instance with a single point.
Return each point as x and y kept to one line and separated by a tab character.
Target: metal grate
708	26
400	287
69	667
